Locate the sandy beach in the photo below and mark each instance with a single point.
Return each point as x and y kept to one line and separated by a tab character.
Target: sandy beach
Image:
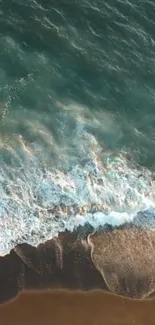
68	308
80	279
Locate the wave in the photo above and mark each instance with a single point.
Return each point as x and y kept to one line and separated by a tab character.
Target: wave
38	200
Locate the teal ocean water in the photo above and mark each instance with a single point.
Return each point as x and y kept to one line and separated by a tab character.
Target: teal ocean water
77	116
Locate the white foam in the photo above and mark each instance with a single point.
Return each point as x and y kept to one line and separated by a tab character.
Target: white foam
79	173
29	193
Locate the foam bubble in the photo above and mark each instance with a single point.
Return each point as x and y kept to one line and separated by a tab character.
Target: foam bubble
40	196
37	201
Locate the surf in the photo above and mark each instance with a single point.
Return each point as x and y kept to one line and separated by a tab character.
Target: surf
38	201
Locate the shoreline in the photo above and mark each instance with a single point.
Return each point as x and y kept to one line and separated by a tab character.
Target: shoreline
120	260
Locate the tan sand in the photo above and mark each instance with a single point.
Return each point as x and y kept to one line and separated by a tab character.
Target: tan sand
119	260
76	308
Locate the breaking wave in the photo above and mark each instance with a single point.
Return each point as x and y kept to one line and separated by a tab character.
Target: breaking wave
38	200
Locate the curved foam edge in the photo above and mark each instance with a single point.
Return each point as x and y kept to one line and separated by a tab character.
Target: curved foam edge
126	260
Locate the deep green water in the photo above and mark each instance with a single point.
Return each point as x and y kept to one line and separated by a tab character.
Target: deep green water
99	54
77	78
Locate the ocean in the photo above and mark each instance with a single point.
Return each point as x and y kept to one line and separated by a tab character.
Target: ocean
77	116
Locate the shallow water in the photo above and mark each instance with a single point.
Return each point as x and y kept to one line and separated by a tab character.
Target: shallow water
77	116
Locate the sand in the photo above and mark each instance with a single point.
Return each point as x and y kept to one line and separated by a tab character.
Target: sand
78	308
90	280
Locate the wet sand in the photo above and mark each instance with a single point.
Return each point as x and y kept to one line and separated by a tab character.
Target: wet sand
90	275
68	308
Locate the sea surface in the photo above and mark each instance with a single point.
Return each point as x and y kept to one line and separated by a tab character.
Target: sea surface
77	116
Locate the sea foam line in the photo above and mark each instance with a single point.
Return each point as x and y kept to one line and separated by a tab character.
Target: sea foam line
37	202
